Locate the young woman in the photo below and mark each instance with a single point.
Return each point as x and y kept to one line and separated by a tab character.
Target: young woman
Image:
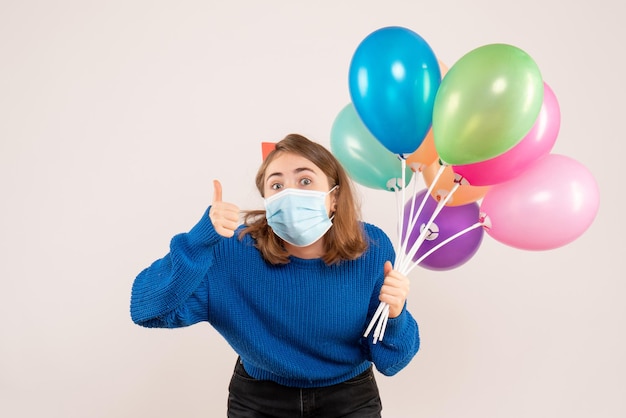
292	291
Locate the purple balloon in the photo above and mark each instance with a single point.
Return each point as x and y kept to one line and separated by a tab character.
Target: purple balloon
448	222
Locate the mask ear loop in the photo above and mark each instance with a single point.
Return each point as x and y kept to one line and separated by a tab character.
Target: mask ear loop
333	210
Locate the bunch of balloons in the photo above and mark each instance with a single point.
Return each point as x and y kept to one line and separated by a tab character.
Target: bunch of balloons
480	133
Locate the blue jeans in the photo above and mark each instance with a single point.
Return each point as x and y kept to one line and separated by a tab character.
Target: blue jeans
252	398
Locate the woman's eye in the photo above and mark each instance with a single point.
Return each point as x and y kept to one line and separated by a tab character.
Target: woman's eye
305	182
276	186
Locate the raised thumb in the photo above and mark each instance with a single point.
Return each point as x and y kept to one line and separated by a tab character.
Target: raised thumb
217	191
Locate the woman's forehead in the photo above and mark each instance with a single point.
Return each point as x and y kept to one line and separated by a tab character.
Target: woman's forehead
289	163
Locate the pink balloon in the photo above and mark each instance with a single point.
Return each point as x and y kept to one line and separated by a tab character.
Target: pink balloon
537	143
549	205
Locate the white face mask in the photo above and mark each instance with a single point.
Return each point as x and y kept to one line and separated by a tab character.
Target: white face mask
298	216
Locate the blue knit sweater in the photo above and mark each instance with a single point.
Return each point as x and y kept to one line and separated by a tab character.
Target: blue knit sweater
299	324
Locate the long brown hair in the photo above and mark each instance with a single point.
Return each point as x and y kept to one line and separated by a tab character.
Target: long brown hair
344	240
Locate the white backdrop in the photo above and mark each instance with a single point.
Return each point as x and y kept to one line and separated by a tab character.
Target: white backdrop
115	116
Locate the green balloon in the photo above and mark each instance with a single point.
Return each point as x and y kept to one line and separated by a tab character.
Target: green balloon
486	103
365	159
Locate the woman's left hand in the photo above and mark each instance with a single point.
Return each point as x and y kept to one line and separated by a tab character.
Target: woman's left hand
395	290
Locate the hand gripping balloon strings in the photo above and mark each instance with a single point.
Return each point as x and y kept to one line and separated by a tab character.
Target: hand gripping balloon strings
382	313
404	263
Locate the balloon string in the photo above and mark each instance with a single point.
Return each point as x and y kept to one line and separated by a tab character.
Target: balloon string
413	217
382	324
441	244
400	199
404	241
379	311
382	315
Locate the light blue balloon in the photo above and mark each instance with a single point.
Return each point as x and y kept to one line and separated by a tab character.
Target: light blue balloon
364	158
393	79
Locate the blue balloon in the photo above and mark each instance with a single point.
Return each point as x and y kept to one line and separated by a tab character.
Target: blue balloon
394	77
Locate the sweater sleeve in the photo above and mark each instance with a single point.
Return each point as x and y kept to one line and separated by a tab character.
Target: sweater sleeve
399	345
172	292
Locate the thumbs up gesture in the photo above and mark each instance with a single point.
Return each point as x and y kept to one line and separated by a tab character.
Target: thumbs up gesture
224	216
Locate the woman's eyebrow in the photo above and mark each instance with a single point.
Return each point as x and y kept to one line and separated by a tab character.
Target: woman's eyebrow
301	169
277	174
297	170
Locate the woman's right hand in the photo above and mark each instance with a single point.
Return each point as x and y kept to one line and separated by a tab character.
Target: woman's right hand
224	216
